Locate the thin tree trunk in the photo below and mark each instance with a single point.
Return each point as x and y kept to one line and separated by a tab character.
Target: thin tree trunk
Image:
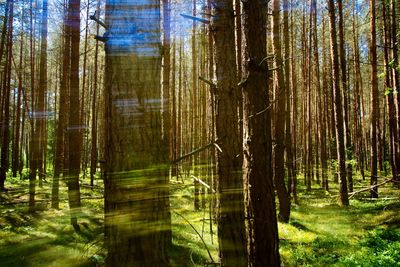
4	161
374	101
93	147
16	160
280	95
41	98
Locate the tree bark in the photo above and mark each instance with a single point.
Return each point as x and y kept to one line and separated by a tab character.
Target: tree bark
60	152
232	247
374	100
74	128
341	157
343	67
137	212
4	157
280	95
261	223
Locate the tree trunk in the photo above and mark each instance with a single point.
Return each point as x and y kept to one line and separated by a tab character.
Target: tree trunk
41	98
232	247
93	147
4	161
293	84
280	95
261	224
137	212
349	146
74	128
374	101
341	157
16	161
60	152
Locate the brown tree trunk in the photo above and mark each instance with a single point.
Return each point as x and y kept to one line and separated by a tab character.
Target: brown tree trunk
374	100
60	152
261	224
358	122
4	157
280	95
137	213
74	128
16	161
288	98
323	111
232	247
33	143
341	157
41	97
93	147
165	77
349	146
395	73
293	85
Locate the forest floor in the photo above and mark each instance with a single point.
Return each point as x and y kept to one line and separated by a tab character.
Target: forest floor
320	233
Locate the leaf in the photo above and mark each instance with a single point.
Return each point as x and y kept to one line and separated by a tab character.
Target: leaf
391	63
388	91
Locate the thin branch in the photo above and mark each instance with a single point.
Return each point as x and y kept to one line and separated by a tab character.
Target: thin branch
193	152
203	183
205	21
369	188
210	83
96	19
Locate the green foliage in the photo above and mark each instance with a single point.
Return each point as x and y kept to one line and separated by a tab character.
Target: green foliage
321	233
380	247
388	91
382	75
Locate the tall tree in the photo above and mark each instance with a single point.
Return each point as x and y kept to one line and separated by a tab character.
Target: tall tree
338	108
6	91
292	187
288	97
93	147
261	223
41	97
396	132
16	160
374	100
280	109
74	128
230	181
137	212
60	152
343	68
165	77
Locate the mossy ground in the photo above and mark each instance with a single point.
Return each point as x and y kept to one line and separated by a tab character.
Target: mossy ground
320	232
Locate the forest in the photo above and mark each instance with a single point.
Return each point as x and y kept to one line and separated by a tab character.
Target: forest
236	133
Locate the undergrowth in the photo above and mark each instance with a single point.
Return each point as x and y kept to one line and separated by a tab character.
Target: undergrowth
320	232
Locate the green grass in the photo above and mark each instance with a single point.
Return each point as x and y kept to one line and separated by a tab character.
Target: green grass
320	232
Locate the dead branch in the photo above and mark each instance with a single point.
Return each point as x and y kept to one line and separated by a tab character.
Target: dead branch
202	183
210	83
369	188
194	152
96	19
